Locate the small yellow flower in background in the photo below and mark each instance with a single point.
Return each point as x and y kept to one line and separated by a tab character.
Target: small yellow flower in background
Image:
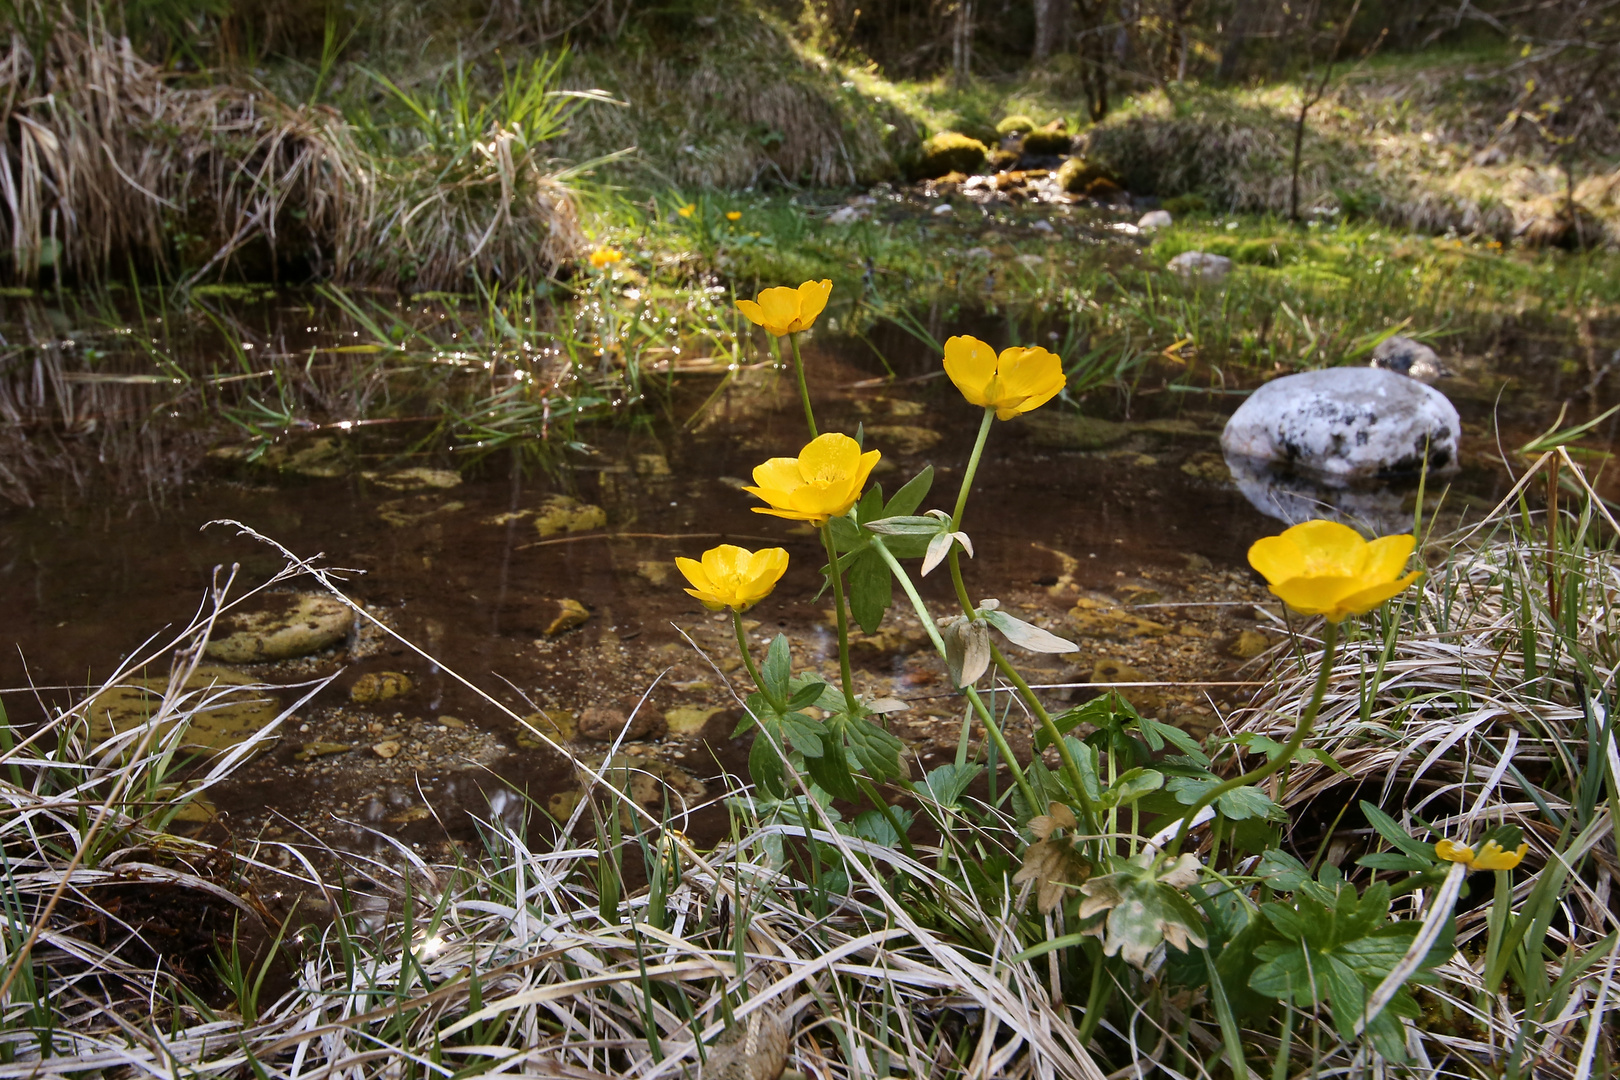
1015	382
686	211
605	256
785	311
733	215
734	577
1325	568
1490	857
824	481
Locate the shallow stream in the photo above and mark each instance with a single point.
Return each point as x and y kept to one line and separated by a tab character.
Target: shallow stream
545	579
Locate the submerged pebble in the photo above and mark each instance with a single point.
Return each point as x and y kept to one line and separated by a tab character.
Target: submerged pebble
280	626
379	686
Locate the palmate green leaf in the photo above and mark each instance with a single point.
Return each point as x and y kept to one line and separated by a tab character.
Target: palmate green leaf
1239	804
1145	906
806	692
947	783
1131	785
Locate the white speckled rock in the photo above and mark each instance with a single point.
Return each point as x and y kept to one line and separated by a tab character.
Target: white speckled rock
1155	219
1201	266
1349	423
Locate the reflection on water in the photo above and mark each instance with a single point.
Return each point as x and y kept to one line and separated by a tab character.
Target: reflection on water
1294	497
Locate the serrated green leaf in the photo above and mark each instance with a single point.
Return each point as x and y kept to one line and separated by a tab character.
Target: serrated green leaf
831	770
911	495
872	825
765	766
1239	804
805	734
1132	785
1282	871
777	669
947	783
876	751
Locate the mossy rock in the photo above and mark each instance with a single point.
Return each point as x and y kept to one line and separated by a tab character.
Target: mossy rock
948	152
280	626
1002	160
1187	205
375	686
216	717
1077	174
1014	124
1049	141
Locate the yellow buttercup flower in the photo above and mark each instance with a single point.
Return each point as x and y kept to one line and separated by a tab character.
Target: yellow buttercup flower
1324	568
1015	382
605	256
733	215
686	211
1490	857
785	311
824	481
734	577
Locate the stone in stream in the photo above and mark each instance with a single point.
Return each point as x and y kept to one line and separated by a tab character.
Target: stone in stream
1293	497
1200	267
216	713
1346	424
1155	219
1410	358
375	686
280	626
601	724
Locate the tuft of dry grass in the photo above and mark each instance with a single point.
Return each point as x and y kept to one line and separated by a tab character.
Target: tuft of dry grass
1485	702
106	159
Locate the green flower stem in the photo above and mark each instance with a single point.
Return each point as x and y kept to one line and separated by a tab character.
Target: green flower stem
844	672
954	558
1044	718
1330	640
972	695
748	659
804	389
972	467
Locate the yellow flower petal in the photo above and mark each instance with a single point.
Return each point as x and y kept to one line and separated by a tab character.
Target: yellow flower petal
734	577
824	481
1315	595
1029	378
813	301
1493	857
971	365
1277	559
753	311
1445	849
1325	568
1328	547
1387	556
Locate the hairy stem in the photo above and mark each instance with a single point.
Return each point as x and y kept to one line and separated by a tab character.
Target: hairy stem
1330	640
